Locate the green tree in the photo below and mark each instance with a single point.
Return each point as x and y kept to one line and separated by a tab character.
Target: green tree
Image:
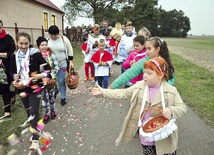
96	9
173	23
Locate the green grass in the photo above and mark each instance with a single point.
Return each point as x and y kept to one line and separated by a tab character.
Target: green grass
196	87
201	43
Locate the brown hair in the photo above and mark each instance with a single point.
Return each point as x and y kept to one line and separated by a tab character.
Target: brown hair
156	63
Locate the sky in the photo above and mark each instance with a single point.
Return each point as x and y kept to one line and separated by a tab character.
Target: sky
200	12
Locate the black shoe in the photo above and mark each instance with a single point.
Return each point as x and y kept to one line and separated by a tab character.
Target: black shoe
63	102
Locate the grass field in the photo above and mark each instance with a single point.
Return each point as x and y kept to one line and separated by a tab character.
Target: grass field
194	83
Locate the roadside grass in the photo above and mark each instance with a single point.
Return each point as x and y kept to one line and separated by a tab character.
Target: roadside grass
18	113
195	84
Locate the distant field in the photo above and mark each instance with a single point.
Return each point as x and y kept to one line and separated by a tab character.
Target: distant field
199	43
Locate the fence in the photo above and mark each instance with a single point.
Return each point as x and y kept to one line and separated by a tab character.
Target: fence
36	32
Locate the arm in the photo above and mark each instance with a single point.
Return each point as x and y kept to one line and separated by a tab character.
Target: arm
172	80
11	47
130	73
126	63
55	67
70	51
116	93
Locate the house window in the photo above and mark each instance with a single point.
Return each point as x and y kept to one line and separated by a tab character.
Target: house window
45	20
53	20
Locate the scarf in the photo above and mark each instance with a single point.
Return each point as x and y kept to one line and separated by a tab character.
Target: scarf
45	54
97	57
22	63
3	34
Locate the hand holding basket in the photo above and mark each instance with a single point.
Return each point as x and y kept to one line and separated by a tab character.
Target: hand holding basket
72	79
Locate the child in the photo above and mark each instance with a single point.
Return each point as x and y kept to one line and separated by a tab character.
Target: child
91	48
116	35
110	44
125	46
102	60
144	32
153	87
25	64
138	53
48	95
154	47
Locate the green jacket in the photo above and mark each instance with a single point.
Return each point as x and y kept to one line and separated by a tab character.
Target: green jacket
132	72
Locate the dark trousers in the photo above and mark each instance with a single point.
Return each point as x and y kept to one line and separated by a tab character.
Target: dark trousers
32	103
102	81
6	95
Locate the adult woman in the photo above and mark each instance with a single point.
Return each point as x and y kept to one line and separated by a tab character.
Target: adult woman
7	48
61	46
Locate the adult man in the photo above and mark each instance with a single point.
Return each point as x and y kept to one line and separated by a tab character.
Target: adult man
105	28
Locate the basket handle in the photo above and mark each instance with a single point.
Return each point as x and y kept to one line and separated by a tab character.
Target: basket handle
150	108
71	71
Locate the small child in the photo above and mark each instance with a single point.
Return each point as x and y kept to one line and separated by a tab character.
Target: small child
125	46
138	53
92	46
110	44
153	91
102	61
48	95
144	32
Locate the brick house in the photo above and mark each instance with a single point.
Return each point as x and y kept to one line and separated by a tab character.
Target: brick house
31	16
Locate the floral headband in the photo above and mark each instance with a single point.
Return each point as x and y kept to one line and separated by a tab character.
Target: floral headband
158	65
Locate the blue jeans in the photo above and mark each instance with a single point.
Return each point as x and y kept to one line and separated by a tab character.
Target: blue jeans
102	81
61	82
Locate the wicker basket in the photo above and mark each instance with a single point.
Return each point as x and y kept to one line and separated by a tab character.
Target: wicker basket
72	79
51	83
156	122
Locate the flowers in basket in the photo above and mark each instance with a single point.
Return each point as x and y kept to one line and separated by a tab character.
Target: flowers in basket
22	83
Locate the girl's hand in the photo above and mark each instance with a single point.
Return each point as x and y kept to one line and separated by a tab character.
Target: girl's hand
96	90
132	62
16	77
167	113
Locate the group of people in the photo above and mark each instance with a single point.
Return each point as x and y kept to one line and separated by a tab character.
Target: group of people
30	69
146	70
148	74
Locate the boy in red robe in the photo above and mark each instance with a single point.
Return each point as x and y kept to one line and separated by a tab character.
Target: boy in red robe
102	61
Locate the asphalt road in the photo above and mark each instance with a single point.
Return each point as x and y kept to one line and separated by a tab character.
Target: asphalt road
89	125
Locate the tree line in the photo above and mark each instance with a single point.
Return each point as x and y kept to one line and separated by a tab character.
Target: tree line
141	12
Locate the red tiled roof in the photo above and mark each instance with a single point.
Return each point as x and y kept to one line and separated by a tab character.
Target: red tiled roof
49	4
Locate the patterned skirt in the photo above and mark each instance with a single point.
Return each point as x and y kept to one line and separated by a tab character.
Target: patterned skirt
151	150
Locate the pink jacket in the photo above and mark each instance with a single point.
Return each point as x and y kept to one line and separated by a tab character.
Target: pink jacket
134	56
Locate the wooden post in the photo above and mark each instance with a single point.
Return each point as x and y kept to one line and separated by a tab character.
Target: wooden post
43	32
16	29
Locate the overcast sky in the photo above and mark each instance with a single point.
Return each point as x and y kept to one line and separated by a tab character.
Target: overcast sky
200	12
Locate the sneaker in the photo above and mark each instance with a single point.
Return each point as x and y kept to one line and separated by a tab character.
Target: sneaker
63	102
34	145
53	115
86	79
92	79
45	119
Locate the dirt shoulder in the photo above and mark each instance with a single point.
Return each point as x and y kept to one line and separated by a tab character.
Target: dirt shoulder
203	58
